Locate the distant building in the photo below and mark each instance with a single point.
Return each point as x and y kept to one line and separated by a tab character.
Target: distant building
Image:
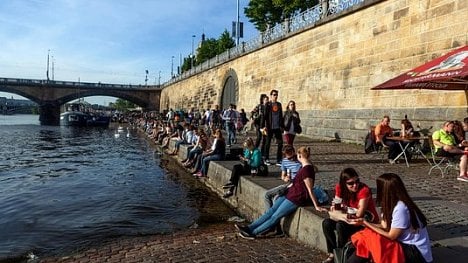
12	106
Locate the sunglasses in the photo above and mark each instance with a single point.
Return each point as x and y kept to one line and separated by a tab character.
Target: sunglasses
357	181
274	94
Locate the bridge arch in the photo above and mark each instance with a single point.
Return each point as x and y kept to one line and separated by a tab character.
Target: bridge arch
50	94
230	92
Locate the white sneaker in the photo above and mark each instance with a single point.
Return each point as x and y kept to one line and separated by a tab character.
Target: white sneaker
267	162
463	178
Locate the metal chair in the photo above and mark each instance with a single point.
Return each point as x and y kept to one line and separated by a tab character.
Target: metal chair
443	163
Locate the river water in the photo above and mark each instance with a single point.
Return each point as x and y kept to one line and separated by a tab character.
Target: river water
64	188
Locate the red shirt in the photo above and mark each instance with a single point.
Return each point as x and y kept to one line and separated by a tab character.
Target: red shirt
364	192
298	193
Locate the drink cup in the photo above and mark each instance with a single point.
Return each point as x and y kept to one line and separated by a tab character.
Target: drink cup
337	203
351	213
253	172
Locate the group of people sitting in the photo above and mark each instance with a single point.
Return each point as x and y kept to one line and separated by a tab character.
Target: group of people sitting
398	235
450	141
399	232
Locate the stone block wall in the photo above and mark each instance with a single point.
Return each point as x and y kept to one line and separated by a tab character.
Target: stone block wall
329	69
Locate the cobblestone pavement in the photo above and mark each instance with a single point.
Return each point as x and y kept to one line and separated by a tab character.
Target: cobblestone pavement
443	200
213	243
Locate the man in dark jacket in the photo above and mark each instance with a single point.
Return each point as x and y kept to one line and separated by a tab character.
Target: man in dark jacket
273	124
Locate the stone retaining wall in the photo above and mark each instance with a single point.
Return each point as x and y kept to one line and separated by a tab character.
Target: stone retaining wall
329	69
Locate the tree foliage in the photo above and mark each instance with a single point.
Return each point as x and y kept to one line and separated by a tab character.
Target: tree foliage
265	14
225	42
208	49
122	105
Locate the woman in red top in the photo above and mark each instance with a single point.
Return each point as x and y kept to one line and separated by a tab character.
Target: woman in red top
353	194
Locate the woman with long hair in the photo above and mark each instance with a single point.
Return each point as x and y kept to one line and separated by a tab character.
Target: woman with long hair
355	194
401	235
291	123
251	160
299	194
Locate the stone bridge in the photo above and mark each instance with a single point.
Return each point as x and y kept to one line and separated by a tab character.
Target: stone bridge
51	94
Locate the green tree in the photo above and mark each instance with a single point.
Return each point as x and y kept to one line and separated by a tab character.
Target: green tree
225	42
290	8
187	64
267	13
207	50
263	14
122	105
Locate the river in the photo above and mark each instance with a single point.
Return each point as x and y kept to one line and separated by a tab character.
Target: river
65	188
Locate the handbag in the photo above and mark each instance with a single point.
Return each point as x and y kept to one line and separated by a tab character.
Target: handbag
342	254
299	129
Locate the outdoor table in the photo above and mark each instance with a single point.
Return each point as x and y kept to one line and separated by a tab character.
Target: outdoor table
409	139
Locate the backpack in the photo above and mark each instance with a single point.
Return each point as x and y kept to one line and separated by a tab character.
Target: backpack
342	254
262	170
321	195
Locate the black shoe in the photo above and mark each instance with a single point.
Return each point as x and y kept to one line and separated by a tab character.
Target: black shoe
228	185
246	235
228	194
240	227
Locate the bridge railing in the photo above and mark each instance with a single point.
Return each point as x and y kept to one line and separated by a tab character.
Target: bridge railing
302	20
51	83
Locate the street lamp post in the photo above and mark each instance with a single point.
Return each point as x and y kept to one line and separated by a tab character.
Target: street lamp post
172	67
191	60
159	78
146	78
47	73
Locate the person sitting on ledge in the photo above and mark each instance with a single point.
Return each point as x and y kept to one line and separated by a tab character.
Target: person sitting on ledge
216	153
290	165
251	160
299	194
401	235
349	192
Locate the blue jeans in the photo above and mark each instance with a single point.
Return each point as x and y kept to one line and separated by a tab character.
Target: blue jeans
231	131
194	153
206	162
178	143
272	194
281	208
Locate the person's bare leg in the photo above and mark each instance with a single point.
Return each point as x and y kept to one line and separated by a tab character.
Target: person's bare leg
463	162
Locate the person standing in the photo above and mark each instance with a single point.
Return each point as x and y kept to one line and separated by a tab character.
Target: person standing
273	125
291	123
258	115
230	117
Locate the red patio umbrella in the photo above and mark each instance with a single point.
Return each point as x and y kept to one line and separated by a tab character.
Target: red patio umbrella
448	72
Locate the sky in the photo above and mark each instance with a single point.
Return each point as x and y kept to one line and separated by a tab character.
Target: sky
108	41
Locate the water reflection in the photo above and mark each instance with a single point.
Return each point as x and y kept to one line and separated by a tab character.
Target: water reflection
63	188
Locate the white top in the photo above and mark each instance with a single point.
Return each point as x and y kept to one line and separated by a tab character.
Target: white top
419	238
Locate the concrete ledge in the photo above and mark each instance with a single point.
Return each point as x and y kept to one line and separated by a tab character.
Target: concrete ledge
305	225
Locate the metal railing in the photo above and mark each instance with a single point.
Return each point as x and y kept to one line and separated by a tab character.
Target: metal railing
296	23
58	83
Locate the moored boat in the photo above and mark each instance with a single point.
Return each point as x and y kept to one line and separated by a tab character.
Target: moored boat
81	119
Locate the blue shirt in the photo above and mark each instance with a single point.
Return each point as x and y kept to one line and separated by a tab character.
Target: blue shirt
294	166
419	237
